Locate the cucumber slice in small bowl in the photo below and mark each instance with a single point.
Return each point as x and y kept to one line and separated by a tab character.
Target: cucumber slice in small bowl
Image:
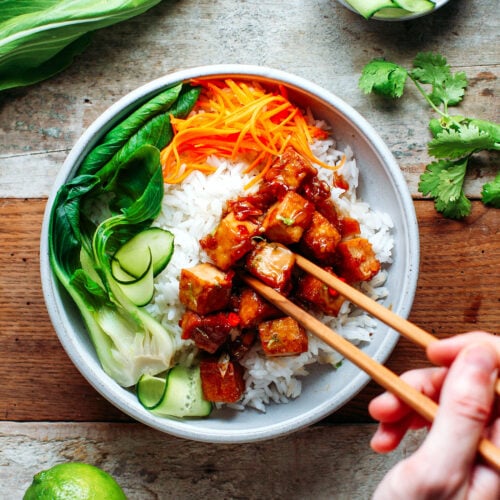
393	10
368	8
417	6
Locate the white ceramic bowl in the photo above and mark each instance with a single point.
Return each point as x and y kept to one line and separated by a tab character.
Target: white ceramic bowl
324	390
439	4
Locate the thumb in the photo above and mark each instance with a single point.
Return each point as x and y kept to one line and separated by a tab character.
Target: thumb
464	409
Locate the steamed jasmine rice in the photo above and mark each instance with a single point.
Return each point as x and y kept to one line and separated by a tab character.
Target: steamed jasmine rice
193	209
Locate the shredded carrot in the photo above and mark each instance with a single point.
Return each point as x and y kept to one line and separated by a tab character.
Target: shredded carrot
235	119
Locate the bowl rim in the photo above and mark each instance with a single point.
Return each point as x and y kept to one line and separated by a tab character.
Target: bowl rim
97	377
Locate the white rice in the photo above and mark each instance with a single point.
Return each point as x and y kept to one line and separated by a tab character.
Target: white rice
193	209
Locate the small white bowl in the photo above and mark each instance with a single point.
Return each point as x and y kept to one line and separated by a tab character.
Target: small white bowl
439	4
324	390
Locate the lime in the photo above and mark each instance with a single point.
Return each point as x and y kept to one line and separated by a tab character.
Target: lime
74	481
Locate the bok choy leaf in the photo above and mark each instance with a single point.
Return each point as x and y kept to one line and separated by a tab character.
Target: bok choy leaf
93	215
39	38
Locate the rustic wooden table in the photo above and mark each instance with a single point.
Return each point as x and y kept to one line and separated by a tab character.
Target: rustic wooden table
50	414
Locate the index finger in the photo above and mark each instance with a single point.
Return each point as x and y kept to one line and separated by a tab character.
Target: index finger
443	352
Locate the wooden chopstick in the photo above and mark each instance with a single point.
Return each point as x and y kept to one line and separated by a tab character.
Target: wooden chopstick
382	375
404	327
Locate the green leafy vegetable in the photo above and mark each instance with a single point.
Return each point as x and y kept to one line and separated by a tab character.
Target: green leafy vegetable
491	192
455	138
127	186
39	38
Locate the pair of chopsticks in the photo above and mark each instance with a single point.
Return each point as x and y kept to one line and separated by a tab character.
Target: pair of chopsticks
378	372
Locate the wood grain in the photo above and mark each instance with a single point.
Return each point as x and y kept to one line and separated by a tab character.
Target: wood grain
318	39
50	414
314	463
457	291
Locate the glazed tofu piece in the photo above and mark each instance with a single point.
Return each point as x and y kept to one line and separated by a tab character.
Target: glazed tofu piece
282	337
204	288
287	219
272	263
222	379
320	239
349	227
290	170
209	332
315	293
231	240
356	260
253	309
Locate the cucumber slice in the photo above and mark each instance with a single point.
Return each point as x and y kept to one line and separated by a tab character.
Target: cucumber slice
367	8
415	6
132	254
392	13
183	396
138	290
122	276
151	390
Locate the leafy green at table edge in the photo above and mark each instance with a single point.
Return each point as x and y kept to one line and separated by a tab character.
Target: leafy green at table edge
455	138
39	39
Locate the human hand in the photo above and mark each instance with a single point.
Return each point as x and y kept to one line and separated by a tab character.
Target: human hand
446	465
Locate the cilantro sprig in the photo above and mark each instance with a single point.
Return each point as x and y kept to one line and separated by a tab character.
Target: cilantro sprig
455	138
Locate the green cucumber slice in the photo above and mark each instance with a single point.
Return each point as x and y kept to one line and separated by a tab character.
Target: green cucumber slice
183	396
138	290
367	8
415	6
151	390
392	13
132	254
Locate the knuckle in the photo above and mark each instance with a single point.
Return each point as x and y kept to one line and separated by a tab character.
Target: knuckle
470	406
472	409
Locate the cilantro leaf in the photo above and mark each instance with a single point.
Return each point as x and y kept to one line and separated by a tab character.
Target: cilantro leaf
430	68
466	140
384	78
447	88
457	209
444	181
454	137
430	180
450	91
491	192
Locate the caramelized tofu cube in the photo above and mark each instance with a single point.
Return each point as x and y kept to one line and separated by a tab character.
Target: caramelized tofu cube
231	240
204	288
290	170
222	379
272	263
314	292
286	220
209	332
282	337
320	239
356	260
349	227
253	309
